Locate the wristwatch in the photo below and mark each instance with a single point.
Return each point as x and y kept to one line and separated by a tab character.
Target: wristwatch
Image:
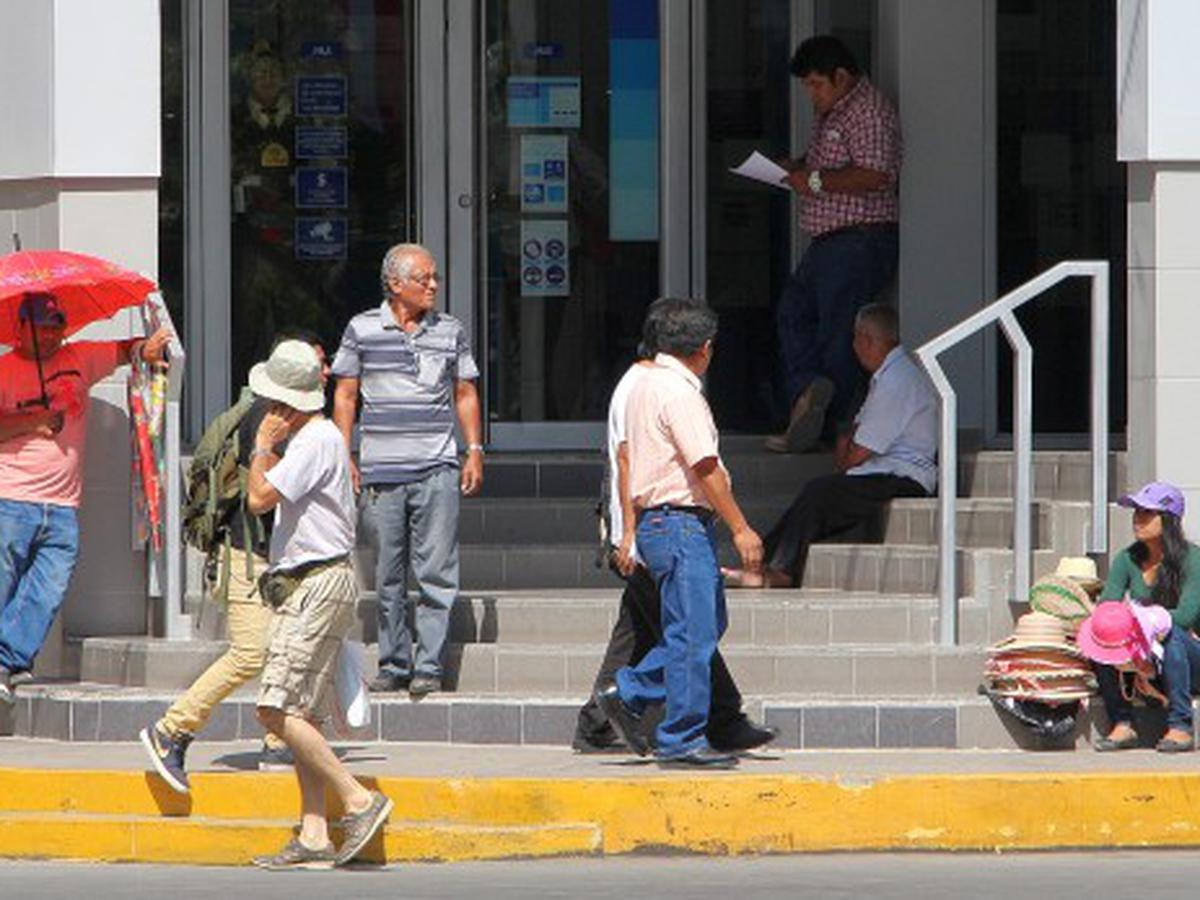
814	181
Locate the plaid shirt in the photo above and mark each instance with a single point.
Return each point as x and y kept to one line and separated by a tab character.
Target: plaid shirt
861	130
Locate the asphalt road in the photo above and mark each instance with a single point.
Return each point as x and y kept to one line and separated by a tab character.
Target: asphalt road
1150	874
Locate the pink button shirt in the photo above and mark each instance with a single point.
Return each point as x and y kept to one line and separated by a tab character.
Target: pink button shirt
669	428
35	469
862	130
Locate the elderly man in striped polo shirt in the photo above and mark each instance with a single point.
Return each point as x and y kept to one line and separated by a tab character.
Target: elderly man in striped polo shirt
413	368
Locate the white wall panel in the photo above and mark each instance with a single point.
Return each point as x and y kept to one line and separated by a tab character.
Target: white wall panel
26	86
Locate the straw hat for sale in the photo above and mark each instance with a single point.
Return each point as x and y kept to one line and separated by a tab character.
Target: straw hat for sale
1039	631
1082	570
1062	597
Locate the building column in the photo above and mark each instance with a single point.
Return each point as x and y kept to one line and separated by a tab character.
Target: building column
1159	136
79	167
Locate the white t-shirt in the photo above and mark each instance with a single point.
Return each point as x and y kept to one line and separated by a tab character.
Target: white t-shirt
616	436
315	518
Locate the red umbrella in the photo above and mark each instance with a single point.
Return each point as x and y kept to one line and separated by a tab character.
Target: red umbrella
87	288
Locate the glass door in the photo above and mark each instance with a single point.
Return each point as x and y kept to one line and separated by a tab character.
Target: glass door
570	166
321	164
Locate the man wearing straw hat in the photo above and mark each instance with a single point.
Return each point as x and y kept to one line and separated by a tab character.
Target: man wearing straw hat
311	585
44	385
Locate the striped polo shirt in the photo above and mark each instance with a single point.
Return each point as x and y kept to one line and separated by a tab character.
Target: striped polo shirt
406	382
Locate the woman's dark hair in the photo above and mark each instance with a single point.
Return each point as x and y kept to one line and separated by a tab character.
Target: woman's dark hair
1169	583
824	55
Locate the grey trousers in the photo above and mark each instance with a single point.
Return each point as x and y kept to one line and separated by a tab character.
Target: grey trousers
415	525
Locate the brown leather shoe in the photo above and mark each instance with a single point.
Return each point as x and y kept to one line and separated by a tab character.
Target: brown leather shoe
807	419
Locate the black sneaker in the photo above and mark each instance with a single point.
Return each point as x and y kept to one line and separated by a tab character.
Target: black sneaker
275	759
744	735
625	722
598	744
424	684
388	683
6	691
167	753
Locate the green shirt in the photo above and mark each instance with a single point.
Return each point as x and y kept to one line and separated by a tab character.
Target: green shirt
1125	577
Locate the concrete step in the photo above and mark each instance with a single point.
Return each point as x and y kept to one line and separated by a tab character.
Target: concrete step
986	522
830	670
1058	474
90	712
760	618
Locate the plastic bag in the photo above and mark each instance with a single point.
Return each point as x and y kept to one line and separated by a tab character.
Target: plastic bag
353	708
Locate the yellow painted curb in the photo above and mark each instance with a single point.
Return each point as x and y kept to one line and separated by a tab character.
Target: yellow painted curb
236	842
102	815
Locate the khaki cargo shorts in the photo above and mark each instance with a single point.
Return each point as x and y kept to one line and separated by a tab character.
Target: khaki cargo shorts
304	640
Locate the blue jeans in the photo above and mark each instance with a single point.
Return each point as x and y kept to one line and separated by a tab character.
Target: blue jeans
415	524
680	552
1179	681
838	274
39	543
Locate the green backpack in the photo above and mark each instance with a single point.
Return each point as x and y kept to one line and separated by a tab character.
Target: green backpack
216	489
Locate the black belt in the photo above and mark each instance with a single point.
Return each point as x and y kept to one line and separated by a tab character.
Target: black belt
311	568
864	228
703	513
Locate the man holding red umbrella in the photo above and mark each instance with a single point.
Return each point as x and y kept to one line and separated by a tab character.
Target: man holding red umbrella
44	386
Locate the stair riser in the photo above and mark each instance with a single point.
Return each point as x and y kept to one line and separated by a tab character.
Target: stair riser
964	723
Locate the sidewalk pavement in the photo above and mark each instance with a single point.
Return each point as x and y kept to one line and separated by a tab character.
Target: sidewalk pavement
99	802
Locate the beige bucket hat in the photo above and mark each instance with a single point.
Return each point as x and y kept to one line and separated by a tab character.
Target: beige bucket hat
1081	569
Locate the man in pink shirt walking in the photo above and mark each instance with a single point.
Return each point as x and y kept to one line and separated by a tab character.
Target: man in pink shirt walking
41	469
679	487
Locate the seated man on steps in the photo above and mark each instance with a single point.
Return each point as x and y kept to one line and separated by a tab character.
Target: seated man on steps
891	452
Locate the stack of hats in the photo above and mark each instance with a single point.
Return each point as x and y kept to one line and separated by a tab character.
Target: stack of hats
1041	661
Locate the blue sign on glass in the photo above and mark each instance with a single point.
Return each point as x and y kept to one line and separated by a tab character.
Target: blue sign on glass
317	142
322	188
321	238
321	50
321	95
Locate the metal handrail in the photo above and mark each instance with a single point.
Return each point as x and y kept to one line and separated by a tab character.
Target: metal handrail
1001	312
165	577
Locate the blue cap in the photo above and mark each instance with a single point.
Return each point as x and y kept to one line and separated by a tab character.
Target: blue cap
41	309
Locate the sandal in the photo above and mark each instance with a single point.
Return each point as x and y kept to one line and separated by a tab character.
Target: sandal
1108	745
1171	744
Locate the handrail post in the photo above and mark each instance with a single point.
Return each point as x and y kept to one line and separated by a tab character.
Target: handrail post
1099	352
947	508
1022	454
167	567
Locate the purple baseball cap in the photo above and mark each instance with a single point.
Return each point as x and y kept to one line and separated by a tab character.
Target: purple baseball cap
1157	496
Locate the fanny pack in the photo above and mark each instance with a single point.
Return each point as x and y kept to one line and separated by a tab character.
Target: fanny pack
276	587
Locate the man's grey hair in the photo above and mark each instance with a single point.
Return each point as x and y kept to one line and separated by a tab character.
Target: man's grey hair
682	326
398	263
881	320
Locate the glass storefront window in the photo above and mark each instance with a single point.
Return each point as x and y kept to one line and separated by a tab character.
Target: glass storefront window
749	228
571	162
171	186
1061	196
322	163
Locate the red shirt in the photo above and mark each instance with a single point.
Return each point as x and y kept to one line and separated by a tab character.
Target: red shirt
862	130
35	469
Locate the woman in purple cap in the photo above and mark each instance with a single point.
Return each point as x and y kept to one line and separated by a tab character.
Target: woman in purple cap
1161	567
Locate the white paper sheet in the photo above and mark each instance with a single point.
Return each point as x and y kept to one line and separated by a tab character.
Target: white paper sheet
758	168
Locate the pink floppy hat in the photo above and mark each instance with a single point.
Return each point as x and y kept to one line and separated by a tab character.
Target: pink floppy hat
1112	635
